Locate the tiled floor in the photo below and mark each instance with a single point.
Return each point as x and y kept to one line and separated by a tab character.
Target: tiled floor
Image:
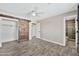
36	47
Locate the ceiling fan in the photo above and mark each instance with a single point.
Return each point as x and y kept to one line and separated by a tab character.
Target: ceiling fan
35	12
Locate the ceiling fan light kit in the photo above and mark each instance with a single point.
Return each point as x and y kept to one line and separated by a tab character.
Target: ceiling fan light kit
33	14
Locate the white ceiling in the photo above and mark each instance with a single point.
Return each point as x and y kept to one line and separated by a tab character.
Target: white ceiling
48	9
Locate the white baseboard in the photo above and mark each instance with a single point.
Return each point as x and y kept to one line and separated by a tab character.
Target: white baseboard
53	42
9	40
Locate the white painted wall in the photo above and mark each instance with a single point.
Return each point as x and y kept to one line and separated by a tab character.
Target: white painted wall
52	29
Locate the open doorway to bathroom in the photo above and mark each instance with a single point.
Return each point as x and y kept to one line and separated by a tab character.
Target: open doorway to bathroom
71	32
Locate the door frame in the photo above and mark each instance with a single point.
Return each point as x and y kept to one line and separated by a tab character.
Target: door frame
10	19
38	35
76	28
31	30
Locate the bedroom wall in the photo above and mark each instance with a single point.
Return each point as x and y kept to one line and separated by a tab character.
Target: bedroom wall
52	28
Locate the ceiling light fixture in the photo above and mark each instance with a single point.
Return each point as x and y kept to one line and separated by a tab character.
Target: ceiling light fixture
33	14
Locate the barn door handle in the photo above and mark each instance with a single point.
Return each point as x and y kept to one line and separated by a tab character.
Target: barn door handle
77	31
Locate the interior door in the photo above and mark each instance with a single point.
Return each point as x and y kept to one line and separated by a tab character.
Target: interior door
78	30
23	30
0	34
38	30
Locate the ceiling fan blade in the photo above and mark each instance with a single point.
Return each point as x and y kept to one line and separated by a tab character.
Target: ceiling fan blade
40	13
35	12
29	13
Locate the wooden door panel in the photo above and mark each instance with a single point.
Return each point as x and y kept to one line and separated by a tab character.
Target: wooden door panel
23	30
78	30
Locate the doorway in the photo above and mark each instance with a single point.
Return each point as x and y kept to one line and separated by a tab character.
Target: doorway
34	31
71	32
38	30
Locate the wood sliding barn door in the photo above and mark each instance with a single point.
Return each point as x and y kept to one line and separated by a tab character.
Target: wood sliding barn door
78	31
23	30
